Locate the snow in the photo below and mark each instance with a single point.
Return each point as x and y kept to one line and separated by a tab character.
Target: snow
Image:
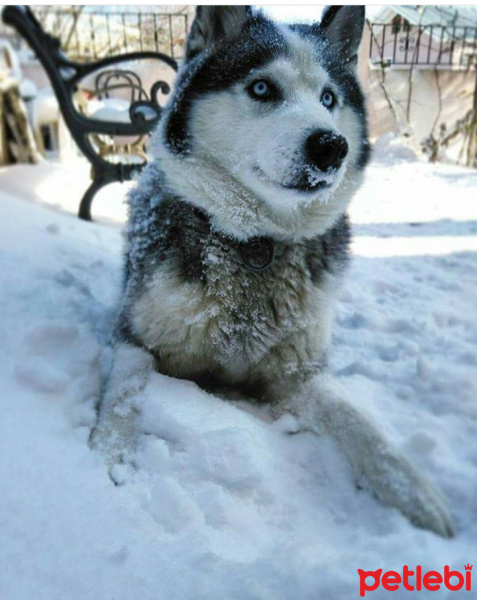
223	502
110	109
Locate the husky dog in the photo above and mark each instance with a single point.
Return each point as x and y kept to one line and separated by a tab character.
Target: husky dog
238	238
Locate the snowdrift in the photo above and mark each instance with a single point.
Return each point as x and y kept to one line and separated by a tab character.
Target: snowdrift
223	503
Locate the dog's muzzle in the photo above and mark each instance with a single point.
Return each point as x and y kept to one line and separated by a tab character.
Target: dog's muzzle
326	150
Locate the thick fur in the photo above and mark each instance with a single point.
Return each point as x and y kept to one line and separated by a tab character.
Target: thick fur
229	168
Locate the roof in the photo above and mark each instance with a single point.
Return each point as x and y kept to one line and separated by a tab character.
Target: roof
459	16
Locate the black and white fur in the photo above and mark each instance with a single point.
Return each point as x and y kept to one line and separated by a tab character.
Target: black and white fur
236	161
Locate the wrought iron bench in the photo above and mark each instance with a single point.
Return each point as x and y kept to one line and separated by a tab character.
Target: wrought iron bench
92	134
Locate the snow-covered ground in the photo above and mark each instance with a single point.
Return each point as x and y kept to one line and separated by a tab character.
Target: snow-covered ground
223	504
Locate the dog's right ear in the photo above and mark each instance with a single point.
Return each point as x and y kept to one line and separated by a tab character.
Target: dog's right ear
343	26
214	23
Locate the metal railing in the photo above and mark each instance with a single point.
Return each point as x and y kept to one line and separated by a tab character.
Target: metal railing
423	45
88	35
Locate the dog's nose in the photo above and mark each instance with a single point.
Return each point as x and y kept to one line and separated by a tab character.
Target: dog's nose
326	150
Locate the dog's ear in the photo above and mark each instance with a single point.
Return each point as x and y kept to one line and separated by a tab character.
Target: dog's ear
214	23
343	26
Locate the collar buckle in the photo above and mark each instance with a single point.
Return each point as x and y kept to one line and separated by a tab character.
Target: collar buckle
257	254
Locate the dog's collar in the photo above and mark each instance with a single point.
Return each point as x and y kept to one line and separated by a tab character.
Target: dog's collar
257	254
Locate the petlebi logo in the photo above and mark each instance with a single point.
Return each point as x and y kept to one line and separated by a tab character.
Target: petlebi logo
415	580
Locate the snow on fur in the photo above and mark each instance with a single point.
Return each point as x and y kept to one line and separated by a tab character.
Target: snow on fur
224	503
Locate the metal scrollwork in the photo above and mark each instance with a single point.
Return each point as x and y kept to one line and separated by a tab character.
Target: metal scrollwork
66	76
159	86
150	110
144	112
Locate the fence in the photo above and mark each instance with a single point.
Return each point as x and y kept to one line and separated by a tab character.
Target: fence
424	45
90	35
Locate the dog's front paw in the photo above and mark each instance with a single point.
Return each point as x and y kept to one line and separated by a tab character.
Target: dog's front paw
397	482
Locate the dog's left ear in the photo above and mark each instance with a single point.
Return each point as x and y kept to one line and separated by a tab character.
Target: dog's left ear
213	24
343	26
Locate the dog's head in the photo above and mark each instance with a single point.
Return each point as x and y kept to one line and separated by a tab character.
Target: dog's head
267	126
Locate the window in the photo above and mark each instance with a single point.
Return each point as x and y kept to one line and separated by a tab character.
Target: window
396	25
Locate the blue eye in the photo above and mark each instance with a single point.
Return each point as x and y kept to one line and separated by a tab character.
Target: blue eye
263	90
328	99
260	89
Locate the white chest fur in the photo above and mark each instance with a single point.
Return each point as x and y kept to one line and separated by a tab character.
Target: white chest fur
238	324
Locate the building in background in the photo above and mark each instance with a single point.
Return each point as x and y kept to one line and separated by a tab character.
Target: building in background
418	63
419	67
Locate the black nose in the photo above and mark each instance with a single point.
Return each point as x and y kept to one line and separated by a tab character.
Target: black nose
326	150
